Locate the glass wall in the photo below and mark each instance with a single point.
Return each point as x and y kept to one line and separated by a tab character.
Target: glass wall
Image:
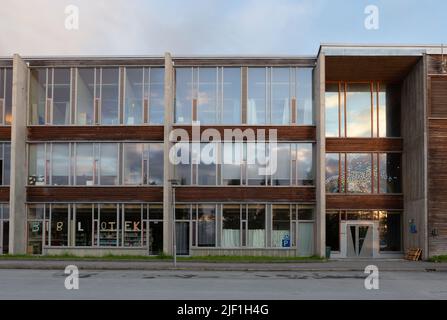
363	172
95	225
94	164
96	98
211	95
4	228
368	109
5	96
246	164
5	163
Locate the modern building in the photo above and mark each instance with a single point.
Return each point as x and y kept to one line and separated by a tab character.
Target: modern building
361	151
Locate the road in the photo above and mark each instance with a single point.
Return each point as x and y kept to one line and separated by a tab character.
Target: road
202	285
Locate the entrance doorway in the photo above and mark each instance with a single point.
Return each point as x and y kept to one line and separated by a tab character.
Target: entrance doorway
359	239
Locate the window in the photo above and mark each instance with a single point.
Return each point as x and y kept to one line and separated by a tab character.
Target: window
109	95
60	164
85	96
4	228
5	96
206	169
209	95
256	159
333	230
369	109
182	171
133	163
36	164
155	164
133	225
84	164
363	172
280	103
155	229
305	161
231	163
108	164
156	94
257	100
143	163
256	226
108	225
38	95
206	225
133	105
304	96
59	225
281	226
390	226
283	170
61	96
231	226
84	225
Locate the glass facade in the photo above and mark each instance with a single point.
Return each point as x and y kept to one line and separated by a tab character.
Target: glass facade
95	225
95	164
89	96
4	228
367	110
232	225
5	96
363	173
243	164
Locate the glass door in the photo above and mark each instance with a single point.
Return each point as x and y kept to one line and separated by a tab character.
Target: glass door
359	240
182	238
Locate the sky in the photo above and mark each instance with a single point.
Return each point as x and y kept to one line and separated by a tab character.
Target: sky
212	27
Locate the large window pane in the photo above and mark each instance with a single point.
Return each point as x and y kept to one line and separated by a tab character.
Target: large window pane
304	103
256	160
333	230
37	95
207	166
256	226
281	226
390	172
358	110
35	232
206	225
60	164
305	163
207	96
231	226
36	164
332	173
61	96
84	164
280	101
231	113
332	107
282	174
156	164
108	225
6	176
231	163
84	225
133	103
132	225
359	169
257	102
85	92
182	171
59	225
109	95
389	110
390	230
109	164
156	98
133	157
183	95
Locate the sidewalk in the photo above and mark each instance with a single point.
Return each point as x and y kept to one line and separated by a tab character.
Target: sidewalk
332	265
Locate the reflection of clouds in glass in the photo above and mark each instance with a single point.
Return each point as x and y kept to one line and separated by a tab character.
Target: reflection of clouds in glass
331	100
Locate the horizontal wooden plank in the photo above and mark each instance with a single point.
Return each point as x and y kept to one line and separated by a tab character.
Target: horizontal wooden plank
5	133
284	133
4	194
107	133
364	201
245	194
363	144
94	194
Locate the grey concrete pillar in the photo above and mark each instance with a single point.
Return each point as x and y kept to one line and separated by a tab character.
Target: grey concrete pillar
319	89
168	168
17	196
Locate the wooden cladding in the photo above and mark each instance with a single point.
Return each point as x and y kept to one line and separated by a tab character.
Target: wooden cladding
284	133
5	133
245	194
90	133
364	201
4	194
94	194
365	68
434	64
437	184
438	96
364	145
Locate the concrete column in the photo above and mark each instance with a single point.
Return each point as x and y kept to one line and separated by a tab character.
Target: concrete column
168	168
319	96
17	196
